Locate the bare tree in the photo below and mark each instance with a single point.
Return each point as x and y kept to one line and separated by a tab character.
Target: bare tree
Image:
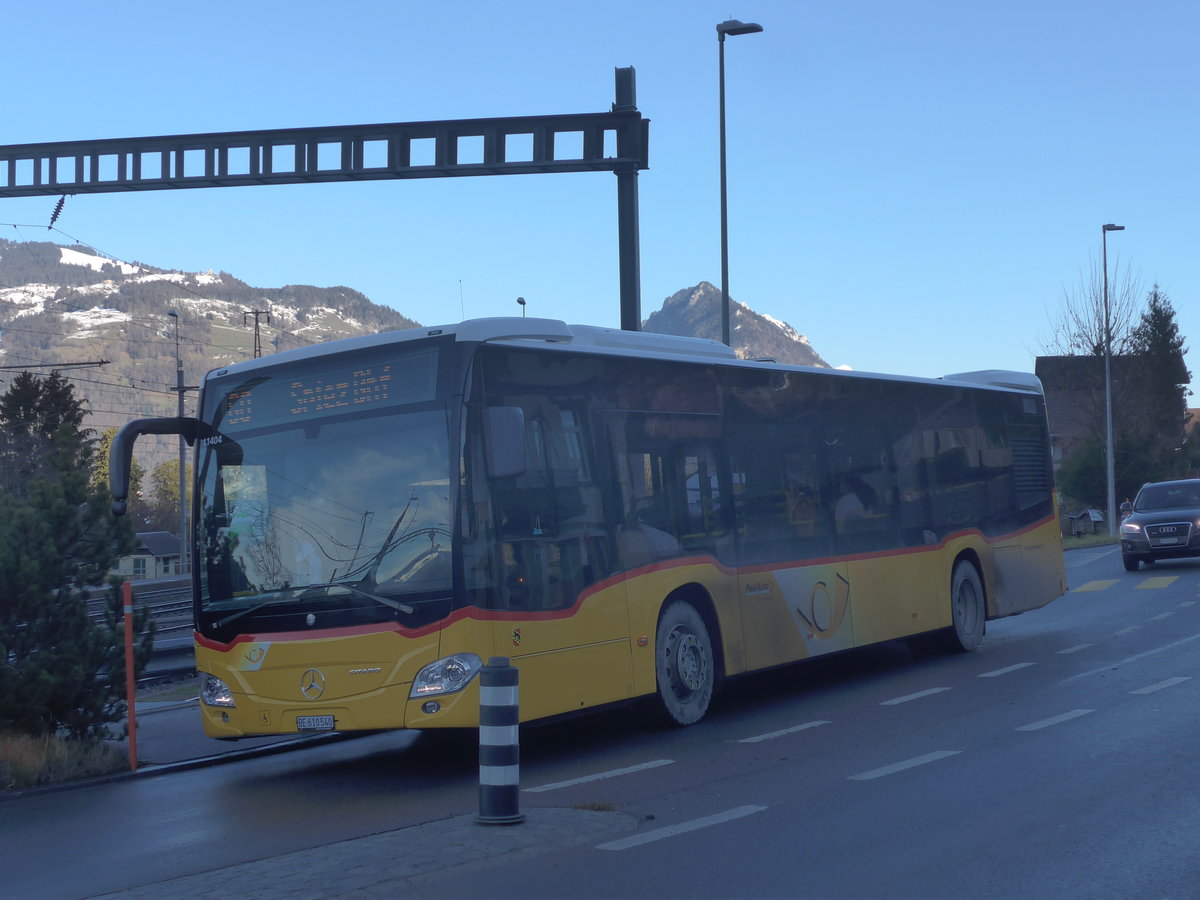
1079	328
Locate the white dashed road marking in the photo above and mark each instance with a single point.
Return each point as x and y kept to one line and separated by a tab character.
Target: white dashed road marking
599	776
896	701
1055	720
1151	688
1076	648
998	672
659	834
906	764
783	732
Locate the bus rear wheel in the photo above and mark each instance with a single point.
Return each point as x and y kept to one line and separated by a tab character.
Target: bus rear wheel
968	612
683	663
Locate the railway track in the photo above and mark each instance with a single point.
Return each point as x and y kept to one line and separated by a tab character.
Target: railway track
170	605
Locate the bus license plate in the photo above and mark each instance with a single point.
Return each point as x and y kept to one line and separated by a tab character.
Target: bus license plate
314	723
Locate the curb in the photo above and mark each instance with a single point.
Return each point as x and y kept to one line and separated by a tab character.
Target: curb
184	765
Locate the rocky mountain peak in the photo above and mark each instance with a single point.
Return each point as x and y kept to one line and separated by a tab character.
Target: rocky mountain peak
696	312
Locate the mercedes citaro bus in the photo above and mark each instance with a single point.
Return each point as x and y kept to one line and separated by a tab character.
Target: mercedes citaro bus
620	514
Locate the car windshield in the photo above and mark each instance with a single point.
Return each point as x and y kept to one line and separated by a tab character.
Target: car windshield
1167	496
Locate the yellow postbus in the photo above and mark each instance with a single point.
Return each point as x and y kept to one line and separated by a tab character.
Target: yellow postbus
621	514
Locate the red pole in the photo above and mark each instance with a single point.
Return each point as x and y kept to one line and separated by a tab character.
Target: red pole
130	687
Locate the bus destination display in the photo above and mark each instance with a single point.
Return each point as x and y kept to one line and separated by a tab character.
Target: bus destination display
330	390
324	394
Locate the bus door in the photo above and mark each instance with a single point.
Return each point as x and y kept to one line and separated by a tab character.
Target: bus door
556	615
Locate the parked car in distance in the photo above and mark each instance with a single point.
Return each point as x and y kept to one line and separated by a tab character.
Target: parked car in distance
1164	523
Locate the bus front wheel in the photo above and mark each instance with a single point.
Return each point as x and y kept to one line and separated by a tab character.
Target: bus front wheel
683	663
968	611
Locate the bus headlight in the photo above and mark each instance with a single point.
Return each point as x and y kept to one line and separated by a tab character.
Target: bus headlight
446	676
215	692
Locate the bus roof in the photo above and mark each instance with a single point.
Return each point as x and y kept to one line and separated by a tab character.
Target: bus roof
540	332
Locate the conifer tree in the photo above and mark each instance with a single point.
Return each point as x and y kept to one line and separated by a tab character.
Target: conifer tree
1163	378
63	671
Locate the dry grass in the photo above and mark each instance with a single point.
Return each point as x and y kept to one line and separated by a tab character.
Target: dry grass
27	762
183	689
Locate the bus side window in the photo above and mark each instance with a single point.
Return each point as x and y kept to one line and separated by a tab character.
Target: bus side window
670	485
551	518
861	442
644	534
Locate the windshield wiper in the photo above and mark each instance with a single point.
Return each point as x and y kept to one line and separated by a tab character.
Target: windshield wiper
292	594
378	598
250	609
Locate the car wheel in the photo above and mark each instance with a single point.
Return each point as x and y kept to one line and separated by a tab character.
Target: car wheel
1130	562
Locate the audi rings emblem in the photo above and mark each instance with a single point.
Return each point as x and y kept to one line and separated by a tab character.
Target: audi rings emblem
1168	529
312	684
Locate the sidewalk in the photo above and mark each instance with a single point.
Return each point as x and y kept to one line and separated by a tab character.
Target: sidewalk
170	738
392	863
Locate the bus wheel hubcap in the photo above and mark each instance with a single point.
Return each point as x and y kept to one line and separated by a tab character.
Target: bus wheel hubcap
688	661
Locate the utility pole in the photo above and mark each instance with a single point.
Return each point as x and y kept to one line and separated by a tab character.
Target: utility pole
179	389
257	336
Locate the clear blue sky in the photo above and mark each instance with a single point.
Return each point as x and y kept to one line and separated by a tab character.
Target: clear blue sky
911	184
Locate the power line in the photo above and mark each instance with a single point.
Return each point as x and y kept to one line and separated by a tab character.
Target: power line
66	365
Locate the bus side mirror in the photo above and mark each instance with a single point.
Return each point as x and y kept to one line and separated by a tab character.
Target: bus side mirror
504	440
120	454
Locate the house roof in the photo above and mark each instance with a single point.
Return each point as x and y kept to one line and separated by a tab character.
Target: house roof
157	544
1074	391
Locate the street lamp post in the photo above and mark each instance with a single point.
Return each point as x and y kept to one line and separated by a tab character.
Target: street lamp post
183	541
1109	449
731	26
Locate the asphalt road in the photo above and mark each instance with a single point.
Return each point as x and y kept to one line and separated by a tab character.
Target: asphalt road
1056	761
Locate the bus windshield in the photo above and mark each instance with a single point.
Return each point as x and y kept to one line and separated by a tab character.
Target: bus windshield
319	521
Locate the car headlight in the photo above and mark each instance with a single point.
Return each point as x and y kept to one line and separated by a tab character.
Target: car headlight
1130	528
215	692
446	676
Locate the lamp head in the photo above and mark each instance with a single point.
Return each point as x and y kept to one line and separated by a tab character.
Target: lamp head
733	26
1114	227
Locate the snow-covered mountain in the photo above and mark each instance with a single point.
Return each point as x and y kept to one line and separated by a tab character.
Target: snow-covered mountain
696	312
66	306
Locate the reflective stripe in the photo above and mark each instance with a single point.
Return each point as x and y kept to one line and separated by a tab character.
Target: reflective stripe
499	775
497	735
497	695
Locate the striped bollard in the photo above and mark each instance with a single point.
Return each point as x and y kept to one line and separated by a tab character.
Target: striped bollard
499	751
